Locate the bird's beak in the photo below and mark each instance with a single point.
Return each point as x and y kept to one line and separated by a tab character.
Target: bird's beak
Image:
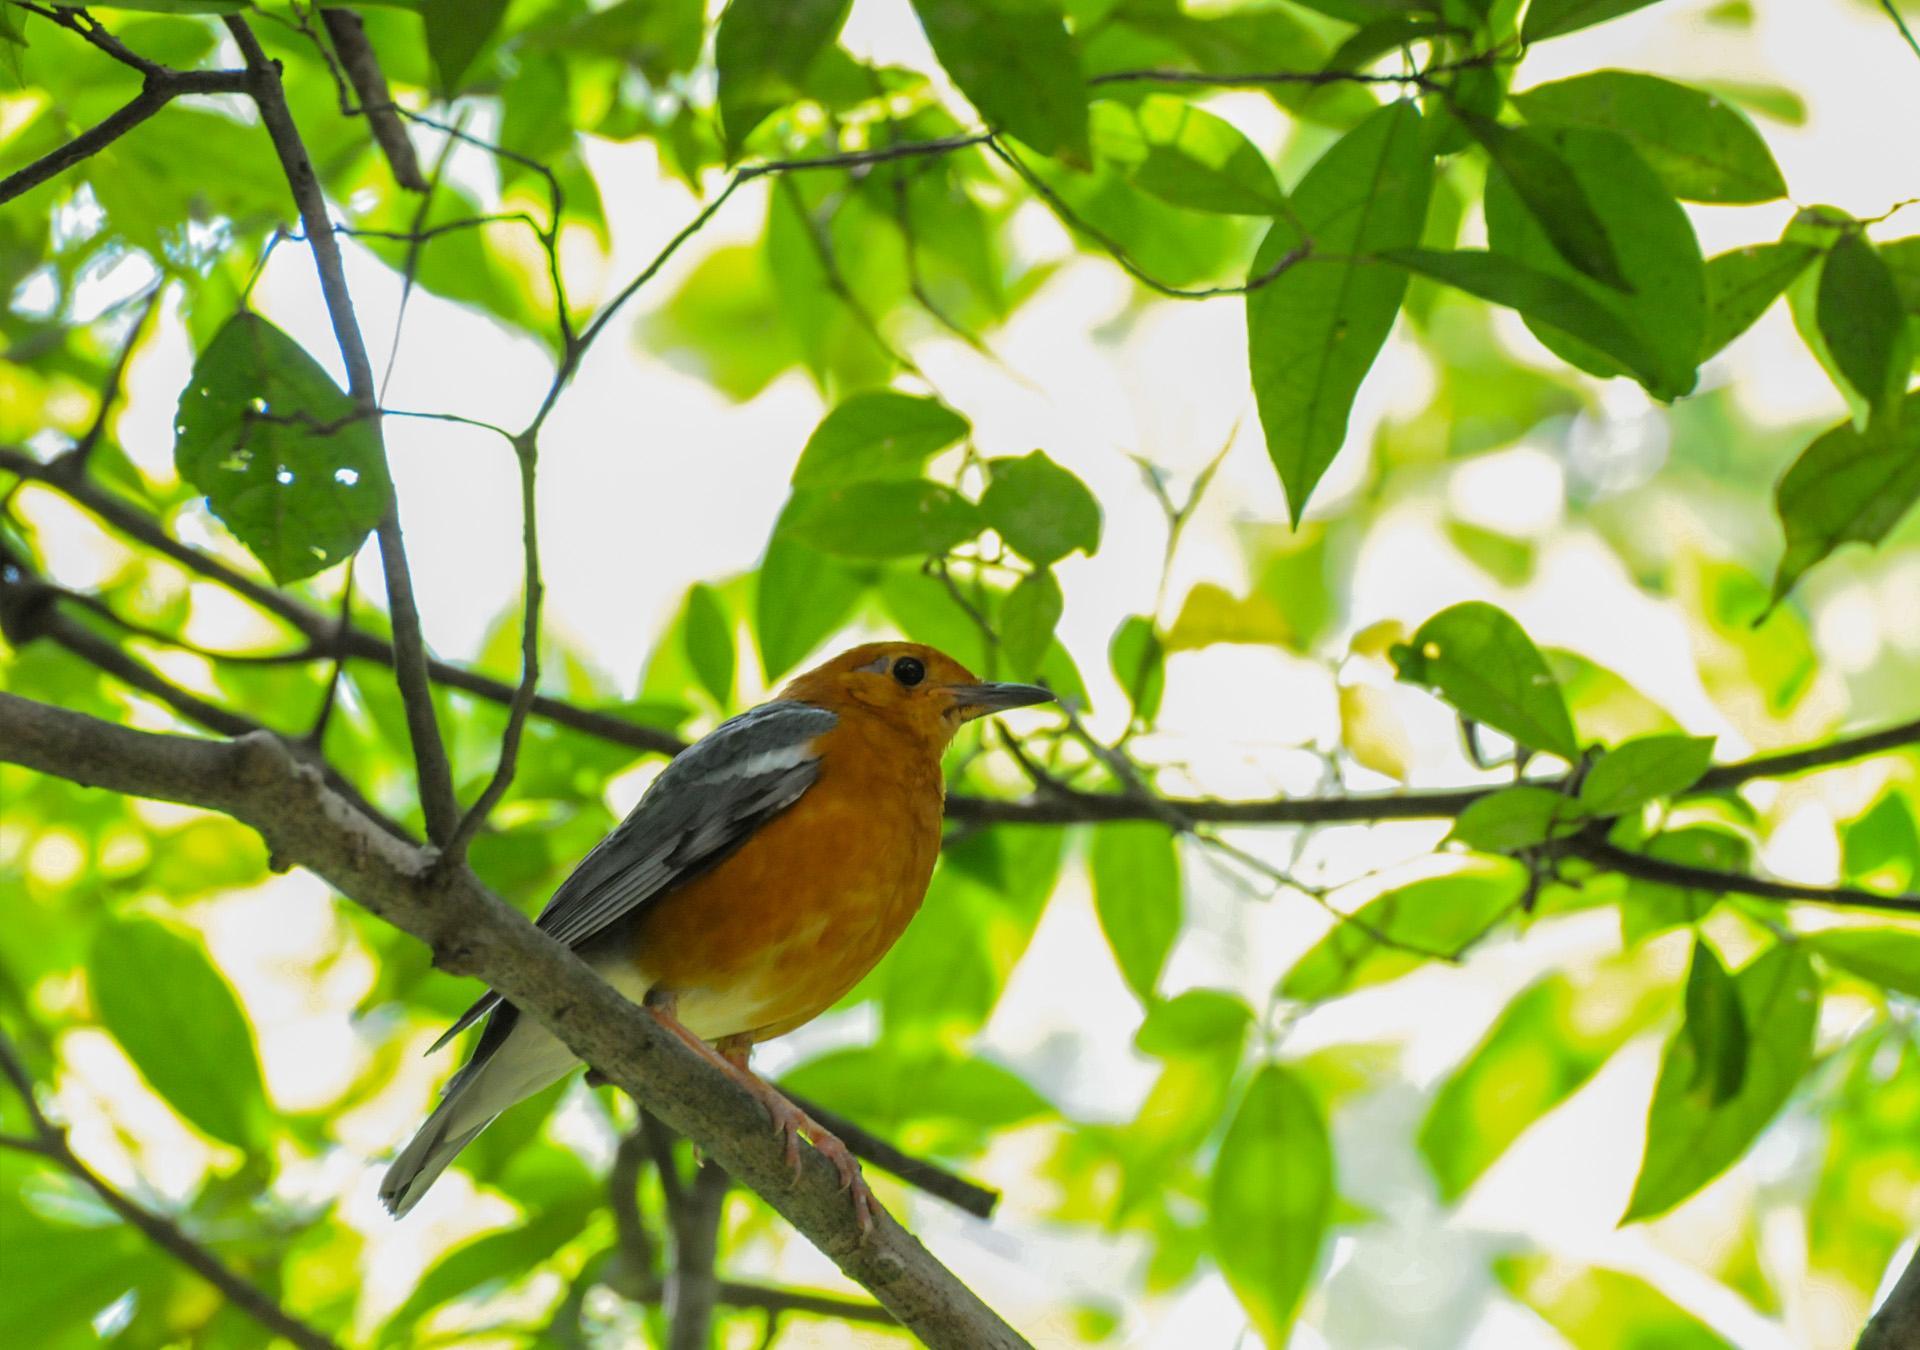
977	700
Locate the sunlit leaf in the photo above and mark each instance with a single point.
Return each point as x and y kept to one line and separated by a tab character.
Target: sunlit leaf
1882	847
1186	156
1138	660
883	520
710	642
1744	283
1027	620
1600	1309
1715	1027
1194	1022
1890	957
1691	1139
1314	331
1373	732
879	434
1270	1198
1864	324
1643	770
761	50
1516	818
1551	18
1849	486
176	1017
1212	614
1136	894
1014	61
1558	203
287	461
1483	663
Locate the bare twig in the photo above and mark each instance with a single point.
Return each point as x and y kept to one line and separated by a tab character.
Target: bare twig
435	774
50	1142
362	67
1893	13
116	378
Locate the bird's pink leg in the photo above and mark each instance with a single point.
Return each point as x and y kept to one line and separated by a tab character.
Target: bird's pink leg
789	1121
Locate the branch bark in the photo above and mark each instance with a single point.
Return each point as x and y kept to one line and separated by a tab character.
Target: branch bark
357	58
473	932
1896	1324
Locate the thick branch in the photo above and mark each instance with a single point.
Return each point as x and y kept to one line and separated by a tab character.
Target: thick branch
158	91
50	1142
1896	1325
474	932
693	1288
362	67
1595	849
437	800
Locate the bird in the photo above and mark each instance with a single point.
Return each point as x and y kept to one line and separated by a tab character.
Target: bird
765	871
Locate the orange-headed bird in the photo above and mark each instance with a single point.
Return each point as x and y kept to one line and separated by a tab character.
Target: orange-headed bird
766	870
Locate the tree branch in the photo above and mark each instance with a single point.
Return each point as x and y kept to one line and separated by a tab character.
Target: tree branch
693	1288
1595	849
473	932
362	67
869	1147
437	799
1896	1324
50	1142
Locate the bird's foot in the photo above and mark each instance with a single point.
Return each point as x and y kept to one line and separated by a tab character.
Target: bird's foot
790	1123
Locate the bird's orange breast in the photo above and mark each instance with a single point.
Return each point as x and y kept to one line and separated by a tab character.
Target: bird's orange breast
779	931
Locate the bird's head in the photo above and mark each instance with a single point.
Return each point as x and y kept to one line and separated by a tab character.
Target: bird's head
912	684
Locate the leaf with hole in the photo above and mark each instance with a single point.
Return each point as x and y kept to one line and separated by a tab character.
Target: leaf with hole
286	460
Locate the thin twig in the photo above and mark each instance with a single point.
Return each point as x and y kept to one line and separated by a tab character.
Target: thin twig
51	1143
116	378
1594	847
160	90
1894	13
692	1288
435	773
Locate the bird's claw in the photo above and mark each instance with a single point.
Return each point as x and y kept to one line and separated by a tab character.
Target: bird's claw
790	1123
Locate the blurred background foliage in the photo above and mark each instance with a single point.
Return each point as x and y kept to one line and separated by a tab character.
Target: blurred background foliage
1353	1084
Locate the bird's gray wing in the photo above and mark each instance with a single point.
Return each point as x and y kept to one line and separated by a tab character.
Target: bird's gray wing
706	803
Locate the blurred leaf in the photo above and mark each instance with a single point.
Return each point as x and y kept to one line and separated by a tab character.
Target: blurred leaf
1431	919
1743	284
1715	1028
800	596
1314	331
1516	818
176	1017
882	520
1543	299
1043	511
1652	907
1664	300
1762	99
1600	1309
710	642
1015	63
1195	1022
1553	196
1551	18
1902	257
1864	324
1691	1139
488	1264
1139	665
1186	156
1028	618
61	1276
1481	662
456	32
1548	1041
1882	847
1373	733
285	459
1849	486
885	1090
877	435
1136	894
1889	957
1703	150
761	52
724	324
1270	1197
1212	614
1643	770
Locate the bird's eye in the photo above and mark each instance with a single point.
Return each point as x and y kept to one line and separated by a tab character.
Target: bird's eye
909	671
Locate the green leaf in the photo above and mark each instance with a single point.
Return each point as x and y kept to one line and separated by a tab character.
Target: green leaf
1849	486
485	1265
1543	299
1882	847
883	520
1715	1028
800	596
1028	618
174	1014
1015	63
1196	1022
1430	919
1691	1140
1136	894
1314	331
1552	18
761	51
710	642
456	32
1516	818
1483	663
1552	195
1902	257
62	1275
886	1089
1186	156
879	434
1890	957
1643	770
1744	283
1043	511
1864	324
1651	907
1664	303
1599	1309
1703	150
283	456
1270	1198
1545	1044
1138	661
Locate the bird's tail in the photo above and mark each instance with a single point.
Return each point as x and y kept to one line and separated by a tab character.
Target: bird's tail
524	1062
